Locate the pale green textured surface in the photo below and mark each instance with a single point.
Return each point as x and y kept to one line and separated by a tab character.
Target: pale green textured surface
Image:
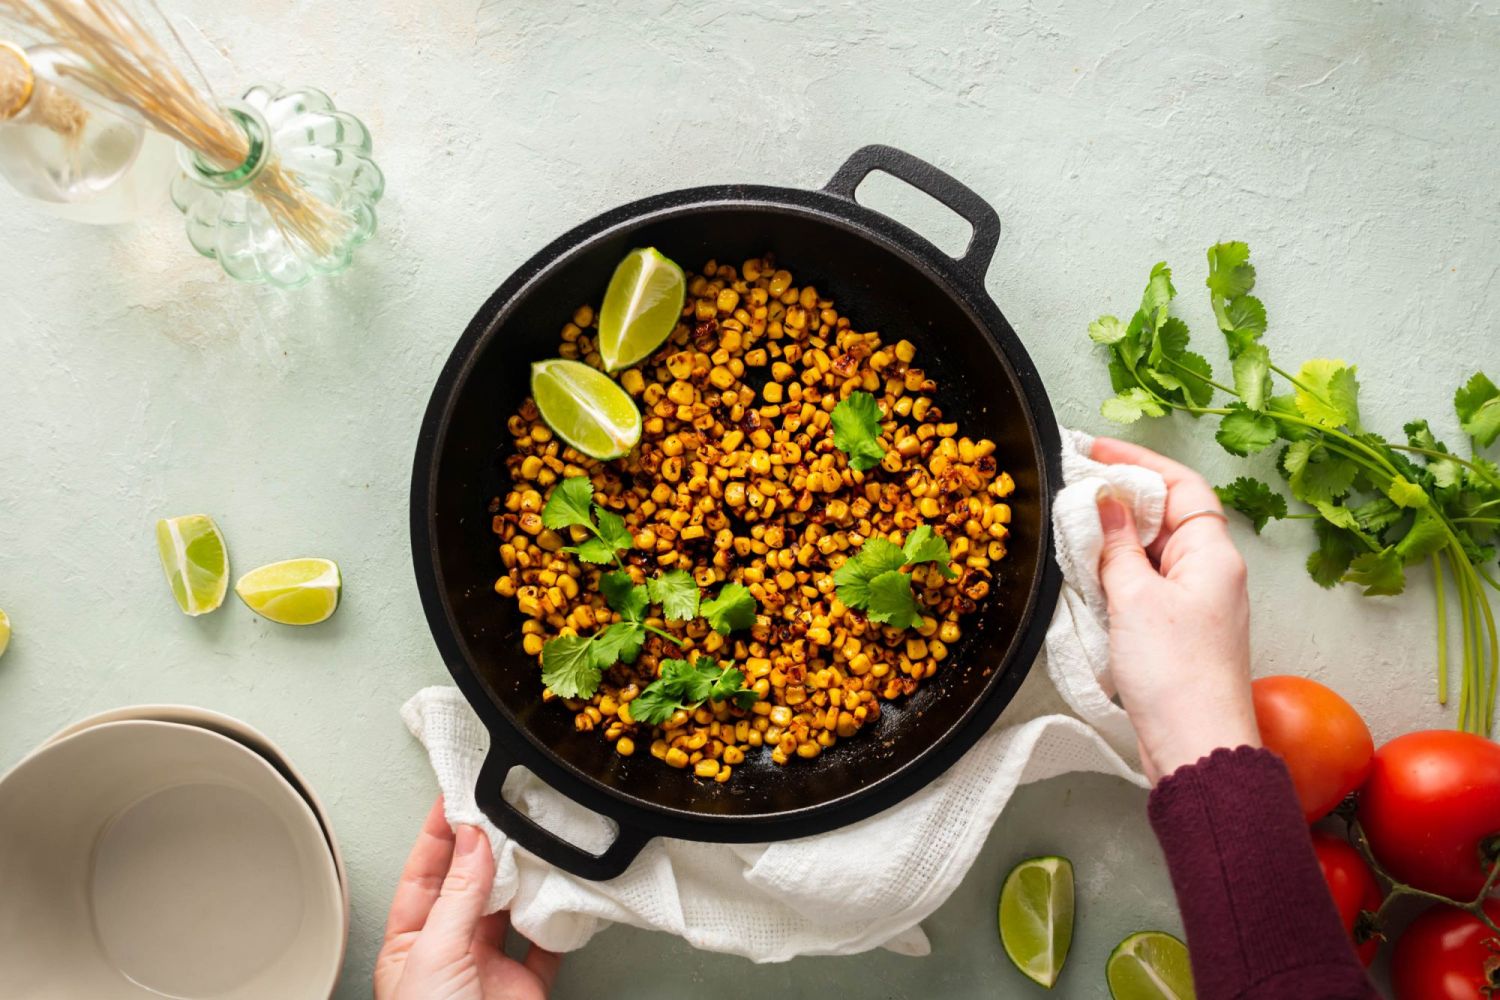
1352	144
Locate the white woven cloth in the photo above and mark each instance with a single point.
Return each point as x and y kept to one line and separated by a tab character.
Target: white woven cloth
772	902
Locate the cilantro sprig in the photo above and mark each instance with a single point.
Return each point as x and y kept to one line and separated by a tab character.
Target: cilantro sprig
872	580
572	503
684	685
572	665
1377	506
856	430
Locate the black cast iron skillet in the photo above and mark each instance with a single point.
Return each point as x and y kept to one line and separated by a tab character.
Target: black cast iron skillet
884	277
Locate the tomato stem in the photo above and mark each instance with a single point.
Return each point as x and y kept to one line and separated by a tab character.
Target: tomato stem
1490	852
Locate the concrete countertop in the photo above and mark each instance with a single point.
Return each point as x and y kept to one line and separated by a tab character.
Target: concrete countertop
1353	145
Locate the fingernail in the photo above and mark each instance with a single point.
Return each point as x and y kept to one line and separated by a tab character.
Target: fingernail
468	840
1111	513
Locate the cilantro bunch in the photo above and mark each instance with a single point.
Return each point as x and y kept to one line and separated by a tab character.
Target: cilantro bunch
872	581
572	665
684	685
1377	506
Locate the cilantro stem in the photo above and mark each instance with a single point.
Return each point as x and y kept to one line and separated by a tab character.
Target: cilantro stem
665	635
1300	385
1461	583
1442	630
1476	520
1484	473
1201	377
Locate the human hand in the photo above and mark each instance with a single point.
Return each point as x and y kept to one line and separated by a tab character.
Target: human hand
439	945
1179	620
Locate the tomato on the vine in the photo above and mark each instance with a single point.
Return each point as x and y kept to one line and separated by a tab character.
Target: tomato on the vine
1325	744
1448	954
1353	887
1431	810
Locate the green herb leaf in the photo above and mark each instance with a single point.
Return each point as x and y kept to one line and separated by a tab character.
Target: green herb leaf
677	594
732	610
1107	330
1171	341
1254	499
1380	573
1404	493
1281	408
592	550
730	684
612	530
1241	316
1478	406
1317	398
684	685
923	546
1316	473
569	504
856	428
568	668
1375	515
1425	536
1245	432
618	643
1252	376
1130	405
1159	292
1230	273
655	704
876	556
891	600
626	596
1195	380
1335	551
1338	515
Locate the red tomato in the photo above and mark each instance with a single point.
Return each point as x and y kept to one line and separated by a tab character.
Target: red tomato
1447	954
1325	744
1352	885
1431	809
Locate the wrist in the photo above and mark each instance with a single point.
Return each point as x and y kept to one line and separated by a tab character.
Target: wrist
1189	744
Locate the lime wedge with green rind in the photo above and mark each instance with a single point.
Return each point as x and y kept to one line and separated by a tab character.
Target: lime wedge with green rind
293	592
641	306
1150	965
1036	917
586	407
195	561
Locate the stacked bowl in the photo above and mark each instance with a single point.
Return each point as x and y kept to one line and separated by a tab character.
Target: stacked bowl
167	851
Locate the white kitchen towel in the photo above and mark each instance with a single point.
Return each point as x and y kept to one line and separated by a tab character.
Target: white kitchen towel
864	886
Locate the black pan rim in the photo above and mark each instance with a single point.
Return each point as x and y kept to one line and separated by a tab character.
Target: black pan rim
857	803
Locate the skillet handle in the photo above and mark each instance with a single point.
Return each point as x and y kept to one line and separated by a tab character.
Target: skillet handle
544	844
933	182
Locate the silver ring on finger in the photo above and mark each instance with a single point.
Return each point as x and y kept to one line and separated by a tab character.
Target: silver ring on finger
1204	512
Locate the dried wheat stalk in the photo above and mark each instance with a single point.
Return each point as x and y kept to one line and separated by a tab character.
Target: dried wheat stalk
121	61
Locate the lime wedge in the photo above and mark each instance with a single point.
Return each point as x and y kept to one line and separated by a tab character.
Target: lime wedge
1150	965
294	592
4	632
641	306
196	561
585	407
1036	917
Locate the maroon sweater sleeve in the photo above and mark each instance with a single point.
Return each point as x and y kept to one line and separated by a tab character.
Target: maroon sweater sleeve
1260	922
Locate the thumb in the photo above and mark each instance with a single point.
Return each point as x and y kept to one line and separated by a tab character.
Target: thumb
450	926
1122	560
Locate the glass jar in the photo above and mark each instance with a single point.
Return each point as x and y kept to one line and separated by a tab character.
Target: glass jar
299	204
69	150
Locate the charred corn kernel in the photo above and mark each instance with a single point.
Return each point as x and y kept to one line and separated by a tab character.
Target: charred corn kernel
625	746
771	392
1004	486
937	649
732	440
949	631
676	757
706	768
632	381
723	775
624	711
916	649
659	749
780	282
530	466
781	716
728	299
905	351
927	626
532	644
808	750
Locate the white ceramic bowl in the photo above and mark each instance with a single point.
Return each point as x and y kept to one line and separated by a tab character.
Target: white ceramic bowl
241	732
142	859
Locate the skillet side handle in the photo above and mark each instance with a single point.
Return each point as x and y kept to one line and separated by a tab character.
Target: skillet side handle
544	844
932	182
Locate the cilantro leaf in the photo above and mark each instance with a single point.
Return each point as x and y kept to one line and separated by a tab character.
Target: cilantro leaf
1282	407
891	600
1380	573
1230	273
1252	376
878	555
1404	493
1171	341
569	504
612	530
1159	292
1335	551
1425	536
568	668
1316	473
1130	405
1478	407
655	704
677	594
1107	330
732	610
684	685
923	545
1254	499
624	594
1195	384
1343	393
592	550
1241	316
1245	432
617	643
856	428
1337	515
1317	400
1376	515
